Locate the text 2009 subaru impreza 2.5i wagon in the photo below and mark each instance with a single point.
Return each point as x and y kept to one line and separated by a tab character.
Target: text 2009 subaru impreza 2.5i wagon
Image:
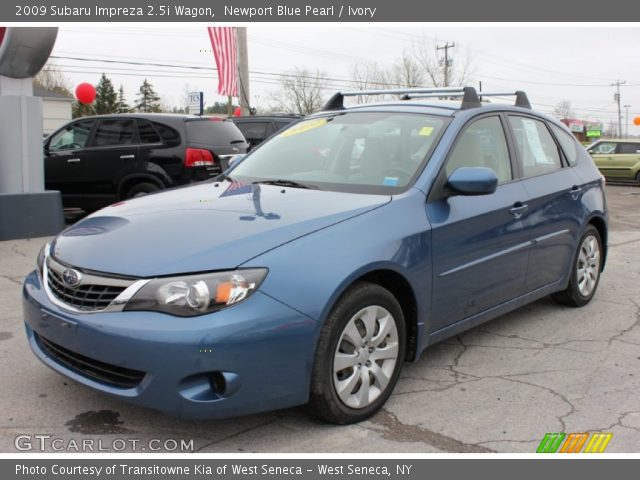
325	259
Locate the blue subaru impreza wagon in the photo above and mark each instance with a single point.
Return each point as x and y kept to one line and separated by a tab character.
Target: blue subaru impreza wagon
319	263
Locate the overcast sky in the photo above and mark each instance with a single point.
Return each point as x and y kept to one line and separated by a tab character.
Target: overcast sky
551	64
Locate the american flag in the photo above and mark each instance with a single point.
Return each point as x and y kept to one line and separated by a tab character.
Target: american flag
223	44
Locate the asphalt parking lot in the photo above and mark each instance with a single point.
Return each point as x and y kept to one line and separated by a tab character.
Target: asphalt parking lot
497	388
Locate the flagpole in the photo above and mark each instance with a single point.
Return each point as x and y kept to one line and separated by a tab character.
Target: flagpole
243	70
229	105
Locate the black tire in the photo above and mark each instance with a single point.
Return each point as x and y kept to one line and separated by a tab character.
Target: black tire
572	296
324	399
141	189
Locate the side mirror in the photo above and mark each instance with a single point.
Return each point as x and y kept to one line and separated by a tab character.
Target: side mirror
473	181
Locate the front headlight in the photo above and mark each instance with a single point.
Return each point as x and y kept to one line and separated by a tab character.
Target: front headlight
190	295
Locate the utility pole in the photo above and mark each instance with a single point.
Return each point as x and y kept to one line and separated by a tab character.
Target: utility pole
616	97
243	70
626	121
446	48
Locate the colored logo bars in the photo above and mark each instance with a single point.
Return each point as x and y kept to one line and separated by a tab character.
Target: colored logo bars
574	442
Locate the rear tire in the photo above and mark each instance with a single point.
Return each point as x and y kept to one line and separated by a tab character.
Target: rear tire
359	355
141	189
585	271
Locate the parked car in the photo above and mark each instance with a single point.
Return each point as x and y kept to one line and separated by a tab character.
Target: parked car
617	159
256	129
95	161
313	269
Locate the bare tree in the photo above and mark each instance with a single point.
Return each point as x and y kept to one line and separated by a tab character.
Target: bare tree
407	72
563	110
370	76
301	91
53	79
459	70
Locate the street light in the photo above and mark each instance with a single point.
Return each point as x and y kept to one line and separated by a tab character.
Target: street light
626	108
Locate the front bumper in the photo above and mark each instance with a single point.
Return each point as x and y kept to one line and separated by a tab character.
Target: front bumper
261	350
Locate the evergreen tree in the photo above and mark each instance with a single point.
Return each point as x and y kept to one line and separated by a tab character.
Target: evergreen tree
81	110
106	97
148	100
122	106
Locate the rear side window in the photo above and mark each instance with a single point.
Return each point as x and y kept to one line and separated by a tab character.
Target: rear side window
629	148
117	131
211	132
254	132
538	152
568	144
147	133
169	136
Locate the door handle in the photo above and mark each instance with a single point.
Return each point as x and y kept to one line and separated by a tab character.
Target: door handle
518	209
127	156
73	160
575	191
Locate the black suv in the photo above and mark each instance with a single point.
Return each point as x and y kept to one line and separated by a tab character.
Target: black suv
95	161
256	129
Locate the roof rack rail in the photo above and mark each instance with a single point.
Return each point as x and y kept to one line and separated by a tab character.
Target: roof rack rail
470	98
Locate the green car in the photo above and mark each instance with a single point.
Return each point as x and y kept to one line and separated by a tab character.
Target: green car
617	159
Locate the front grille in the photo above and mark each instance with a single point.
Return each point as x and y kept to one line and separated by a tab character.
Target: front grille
93	293
83	297
102	372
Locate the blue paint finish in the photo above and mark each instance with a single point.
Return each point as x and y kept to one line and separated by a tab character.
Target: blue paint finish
466	260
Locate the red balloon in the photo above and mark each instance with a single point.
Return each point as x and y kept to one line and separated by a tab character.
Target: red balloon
237	112
85	93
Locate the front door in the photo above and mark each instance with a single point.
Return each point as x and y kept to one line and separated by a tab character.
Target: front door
65	154
480	243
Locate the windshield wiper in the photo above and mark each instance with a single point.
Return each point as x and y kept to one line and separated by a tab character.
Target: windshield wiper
222	177
286	183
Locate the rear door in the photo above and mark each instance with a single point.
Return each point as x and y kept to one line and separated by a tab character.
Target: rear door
114	147
480	243
628	158
554	204
64	156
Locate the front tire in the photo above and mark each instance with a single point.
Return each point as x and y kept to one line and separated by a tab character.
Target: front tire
359	355
585	271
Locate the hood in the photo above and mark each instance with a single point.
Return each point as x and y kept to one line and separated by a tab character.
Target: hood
211	226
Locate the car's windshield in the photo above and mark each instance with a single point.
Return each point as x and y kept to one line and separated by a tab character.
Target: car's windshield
350	151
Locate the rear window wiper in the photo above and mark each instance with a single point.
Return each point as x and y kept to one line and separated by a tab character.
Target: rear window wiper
286	183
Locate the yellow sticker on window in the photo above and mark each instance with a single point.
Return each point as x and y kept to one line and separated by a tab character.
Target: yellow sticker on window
426	131
304	127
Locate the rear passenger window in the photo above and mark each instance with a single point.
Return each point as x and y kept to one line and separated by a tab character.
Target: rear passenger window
482	144
169	136
213	132
629	147
147	133
538	152
568	143
118	131
254	132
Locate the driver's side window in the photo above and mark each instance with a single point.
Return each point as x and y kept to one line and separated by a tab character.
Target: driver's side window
482	144
72	137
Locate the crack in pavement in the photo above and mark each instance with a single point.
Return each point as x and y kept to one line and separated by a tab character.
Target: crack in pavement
12	279
397	431
629	328
236	434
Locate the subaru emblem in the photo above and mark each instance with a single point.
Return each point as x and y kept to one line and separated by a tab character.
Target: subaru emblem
71	277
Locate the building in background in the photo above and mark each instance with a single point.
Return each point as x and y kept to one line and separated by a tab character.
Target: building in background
56	109
584	130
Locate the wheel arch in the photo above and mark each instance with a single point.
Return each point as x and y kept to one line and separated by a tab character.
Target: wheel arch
601	225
